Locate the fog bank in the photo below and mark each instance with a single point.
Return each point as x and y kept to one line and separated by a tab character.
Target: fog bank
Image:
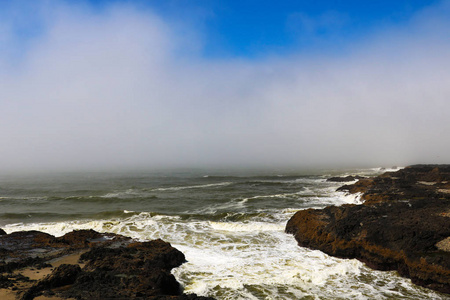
124	88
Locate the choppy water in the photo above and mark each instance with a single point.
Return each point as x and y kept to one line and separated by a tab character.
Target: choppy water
230	226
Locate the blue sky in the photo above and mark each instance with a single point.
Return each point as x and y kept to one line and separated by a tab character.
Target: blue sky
255	29
146	84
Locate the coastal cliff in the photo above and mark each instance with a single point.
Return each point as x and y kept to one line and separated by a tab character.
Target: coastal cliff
403	225
86	264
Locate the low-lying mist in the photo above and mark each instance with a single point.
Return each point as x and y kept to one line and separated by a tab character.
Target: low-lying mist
123	89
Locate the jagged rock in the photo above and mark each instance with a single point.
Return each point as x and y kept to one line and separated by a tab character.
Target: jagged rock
32	248
5	282
88	238
403	225
115	267
344	179
138	270
2	232
64	275
413	182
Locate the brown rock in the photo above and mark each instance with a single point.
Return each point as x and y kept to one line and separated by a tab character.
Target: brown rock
413	182
62	276
359	187
139	270
403	225
344	179
115	267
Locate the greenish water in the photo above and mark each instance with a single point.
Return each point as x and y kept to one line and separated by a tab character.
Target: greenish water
229	225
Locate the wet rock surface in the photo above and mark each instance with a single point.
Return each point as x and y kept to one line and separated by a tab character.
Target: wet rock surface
344	178
403	225
414	182
110	266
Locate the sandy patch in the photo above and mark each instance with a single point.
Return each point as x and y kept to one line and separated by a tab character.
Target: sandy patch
48	298
6	294
37	274
427	182
20	287
71	259
444	245
445	214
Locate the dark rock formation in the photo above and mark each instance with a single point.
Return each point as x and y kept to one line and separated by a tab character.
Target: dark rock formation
110	266
414	182
64	275
403	225
344	179
2	232
138	270
33	248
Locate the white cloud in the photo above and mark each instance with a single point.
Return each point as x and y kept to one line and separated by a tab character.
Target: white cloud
110	89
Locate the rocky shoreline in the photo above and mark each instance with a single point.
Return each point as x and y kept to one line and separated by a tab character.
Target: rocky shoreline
86	264
403	225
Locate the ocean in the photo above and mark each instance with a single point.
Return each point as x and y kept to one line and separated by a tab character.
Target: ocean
230	225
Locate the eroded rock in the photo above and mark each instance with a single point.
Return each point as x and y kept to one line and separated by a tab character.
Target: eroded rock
111	266
345	178
403	225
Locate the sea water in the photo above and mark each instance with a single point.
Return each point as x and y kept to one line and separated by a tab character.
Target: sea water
229	225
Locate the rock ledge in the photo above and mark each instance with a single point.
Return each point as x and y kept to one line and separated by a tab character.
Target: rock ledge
403	225
86	264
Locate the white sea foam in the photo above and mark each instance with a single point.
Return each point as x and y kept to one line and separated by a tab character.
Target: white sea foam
286	195
350	198
382	169
123	194
246	227
234	204
278	264
232	260
55	228
201	186
252	259
308	180
149	192
27	198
